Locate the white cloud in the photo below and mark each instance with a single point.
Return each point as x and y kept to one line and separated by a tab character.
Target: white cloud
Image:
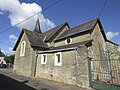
10	48
110	35
8	52
20	11
5	52
13	37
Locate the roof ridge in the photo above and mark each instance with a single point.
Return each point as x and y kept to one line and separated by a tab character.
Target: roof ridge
51	33
56	27
86	22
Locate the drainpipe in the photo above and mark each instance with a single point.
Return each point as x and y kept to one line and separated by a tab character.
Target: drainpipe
36	55
89	68
75	63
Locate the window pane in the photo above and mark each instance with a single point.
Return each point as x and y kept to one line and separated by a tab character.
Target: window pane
58	57
23	48
44	58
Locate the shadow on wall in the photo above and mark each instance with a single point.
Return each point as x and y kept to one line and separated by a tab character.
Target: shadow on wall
7	83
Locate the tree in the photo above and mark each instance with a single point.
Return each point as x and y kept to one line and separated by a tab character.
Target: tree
10	59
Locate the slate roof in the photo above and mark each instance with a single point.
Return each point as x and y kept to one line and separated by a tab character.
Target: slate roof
87	26
49	34
38	39
1	54
35	39
67	47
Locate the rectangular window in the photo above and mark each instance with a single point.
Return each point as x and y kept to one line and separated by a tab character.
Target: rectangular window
43	58
58	59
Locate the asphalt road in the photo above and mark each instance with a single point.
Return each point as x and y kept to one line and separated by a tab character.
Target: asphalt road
7	83
12	81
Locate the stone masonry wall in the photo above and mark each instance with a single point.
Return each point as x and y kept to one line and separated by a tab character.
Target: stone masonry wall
64	73
74	40
22	64
98	44
113	49
97	52
82	67
71	71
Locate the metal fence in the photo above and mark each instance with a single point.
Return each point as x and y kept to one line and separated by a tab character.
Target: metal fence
106	71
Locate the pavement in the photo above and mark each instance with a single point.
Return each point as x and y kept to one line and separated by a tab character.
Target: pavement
12	81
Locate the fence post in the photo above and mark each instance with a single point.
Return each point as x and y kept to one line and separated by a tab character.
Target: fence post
89	72
110	67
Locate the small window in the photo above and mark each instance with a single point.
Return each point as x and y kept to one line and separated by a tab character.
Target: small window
43	58
22	50
68	41
58	59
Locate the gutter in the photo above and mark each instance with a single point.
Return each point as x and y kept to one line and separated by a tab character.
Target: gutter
51	51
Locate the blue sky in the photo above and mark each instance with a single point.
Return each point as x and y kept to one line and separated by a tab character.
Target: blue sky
74	12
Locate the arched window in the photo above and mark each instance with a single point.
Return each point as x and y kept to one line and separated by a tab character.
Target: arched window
22	50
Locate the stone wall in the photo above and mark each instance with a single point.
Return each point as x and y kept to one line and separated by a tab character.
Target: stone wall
113	50
76	39
82	67
74	69
22	64
64	73
98	44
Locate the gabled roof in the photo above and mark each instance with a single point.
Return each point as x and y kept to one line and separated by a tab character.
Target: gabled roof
85	27
1	54
35	39
54	31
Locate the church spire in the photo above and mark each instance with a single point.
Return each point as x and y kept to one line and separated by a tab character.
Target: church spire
37	27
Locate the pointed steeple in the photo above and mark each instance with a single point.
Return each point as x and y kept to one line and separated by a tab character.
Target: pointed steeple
37	27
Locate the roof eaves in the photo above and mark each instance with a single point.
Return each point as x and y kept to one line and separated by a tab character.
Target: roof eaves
57	50
112	42
1	54
74	47
18	40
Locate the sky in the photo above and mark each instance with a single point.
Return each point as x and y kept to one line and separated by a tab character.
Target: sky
74	12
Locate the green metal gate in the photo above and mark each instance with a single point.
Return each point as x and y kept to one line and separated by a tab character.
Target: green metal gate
104	74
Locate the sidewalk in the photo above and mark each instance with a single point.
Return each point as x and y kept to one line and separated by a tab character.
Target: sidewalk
38	83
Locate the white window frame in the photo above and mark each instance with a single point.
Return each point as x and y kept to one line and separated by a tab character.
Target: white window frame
22	49
70	41
56	63
42	58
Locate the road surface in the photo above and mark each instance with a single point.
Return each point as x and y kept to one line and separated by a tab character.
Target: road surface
12	81
7	83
